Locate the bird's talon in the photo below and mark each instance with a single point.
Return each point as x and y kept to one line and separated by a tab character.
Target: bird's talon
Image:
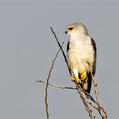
83	76
76	79
73	79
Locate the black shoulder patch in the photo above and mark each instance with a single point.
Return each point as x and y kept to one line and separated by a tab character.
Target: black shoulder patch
95	55
67	46
93	44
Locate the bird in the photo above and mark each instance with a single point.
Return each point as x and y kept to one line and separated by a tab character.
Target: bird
81	55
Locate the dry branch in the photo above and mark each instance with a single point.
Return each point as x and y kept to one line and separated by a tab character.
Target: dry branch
58	86
47	114
100	109
61	48
84	102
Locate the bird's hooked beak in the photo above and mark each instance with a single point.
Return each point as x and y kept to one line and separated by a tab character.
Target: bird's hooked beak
67	31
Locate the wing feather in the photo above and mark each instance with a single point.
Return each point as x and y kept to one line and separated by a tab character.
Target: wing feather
95	55
67	46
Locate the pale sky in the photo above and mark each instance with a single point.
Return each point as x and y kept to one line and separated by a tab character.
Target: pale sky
27	48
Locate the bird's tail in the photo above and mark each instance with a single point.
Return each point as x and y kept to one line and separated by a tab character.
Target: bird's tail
86	84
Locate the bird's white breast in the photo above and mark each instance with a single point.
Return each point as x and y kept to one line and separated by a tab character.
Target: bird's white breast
80	54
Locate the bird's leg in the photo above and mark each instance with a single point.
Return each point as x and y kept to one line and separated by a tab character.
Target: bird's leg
76	79
83	76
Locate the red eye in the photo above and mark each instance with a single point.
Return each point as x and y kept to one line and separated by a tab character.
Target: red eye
71	28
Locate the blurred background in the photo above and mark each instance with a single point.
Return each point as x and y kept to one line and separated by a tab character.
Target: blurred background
27	48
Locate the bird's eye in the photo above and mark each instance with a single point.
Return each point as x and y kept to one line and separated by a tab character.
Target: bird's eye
71	28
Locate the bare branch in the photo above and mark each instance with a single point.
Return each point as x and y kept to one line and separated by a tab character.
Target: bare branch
95	85
100	108
92	105
47	114
84	102
58	86
61	48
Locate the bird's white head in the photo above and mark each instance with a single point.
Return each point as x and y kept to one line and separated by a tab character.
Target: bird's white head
76	29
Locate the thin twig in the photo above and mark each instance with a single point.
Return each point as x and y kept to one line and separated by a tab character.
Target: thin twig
106	116
47	114
84	102
61	48
58	86
100	108
95	85
92	105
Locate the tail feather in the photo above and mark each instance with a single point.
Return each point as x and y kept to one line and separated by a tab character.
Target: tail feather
86	86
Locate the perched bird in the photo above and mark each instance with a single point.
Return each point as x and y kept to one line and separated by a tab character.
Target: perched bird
81	55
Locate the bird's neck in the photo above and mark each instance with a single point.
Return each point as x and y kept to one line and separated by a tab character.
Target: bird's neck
77	36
